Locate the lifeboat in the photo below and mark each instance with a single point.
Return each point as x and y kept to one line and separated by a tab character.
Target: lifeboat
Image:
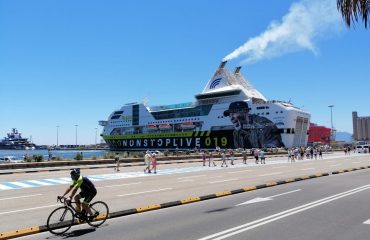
165	126
151	127
187	125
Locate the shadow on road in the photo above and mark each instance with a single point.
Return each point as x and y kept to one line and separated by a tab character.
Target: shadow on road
219	210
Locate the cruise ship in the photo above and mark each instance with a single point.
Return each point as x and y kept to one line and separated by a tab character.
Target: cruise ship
229	113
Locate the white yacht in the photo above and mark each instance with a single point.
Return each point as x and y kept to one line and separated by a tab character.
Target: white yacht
229	113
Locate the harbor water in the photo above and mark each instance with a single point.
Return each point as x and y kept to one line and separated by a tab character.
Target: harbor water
64	154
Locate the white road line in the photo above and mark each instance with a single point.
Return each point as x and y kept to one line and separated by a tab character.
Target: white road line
188	180
279	167
23	185
281	194
156	190
39	182
29	209
305	169
239	171
34	195
257	223
356	162
335	165
3	187
270	174
367	222
191	177
226	180
120	185
215	177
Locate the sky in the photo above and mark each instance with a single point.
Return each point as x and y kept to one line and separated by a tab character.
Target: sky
67	63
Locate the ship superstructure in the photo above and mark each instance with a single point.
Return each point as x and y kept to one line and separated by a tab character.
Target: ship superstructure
228	113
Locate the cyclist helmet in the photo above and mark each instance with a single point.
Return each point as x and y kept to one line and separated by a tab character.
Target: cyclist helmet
75	173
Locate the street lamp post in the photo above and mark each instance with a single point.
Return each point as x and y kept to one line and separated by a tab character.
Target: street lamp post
96	133
58	136
331	121
76	134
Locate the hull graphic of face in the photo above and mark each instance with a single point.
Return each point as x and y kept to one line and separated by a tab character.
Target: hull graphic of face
238	118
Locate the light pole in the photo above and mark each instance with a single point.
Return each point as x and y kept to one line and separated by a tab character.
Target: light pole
58	136
76	134
331	120
96	133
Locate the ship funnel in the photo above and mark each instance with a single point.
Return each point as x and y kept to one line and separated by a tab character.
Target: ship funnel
222	65
237	70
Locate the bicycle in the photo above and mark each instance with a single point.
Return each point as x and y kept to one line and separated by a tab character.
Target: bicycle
62	218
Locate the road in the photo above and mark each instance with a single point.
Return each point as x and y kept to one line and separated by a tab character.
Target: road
131	188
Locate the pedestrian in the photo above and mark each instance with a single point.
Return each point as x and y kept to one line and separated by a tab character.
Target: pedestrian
50	155
223	156
204	158
262	156
244	154
315	153
154	162
232	156
320	153
117	160
255	152
211	159
147	159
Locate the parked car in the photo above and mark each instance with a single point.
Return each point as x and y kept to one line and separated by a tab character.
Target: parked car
7	159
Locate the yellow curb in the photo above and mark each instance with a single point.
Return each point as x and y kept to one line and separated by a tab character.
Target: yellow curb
270	184
101	216
220	194
250	188
189	200
289	180
19	233
147	208
305	177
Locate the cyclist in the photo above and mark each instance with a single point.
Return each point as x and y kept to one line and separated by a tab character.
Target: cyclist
88	191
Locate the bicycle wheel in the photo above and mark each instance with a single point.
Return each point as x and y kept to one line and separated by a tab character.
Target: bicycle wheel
60	220
101	212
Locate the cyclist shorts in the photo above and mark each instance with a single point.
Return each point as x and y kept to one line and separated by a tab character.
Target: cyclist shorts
87	196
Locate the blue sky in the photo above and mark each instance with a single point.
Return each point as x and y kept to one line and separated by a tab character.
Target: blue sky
74	62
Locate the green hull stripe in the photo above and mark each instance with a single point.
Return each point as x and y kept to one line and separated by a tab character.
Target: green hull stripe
151	135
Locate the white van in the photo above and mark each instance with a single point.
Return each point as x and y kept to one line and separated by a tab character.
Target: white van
362	148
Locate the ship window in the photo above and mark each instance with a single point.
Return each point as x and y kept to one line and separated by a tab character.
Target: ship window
115	116
201	110
281	111
118	112
267	113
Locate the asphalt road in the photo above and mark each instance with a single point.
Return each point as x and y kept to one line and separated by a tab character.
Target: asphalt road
335	207
131	188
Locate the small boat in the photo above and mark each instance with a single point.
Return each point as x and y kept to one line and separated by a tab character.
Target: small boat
187	125
165	126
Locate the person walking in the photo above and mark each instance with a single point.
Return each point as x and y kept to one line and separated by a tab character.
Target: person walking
117	160
211	159
223	156
232	156
320	153
244	154
154	163
255	152
262	156
204	157
147	160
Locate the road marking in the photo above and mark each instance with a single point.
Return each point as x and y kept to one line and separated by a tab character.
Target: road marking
305	169
191	177
367	222
270	174
215	177
335	165
356	162
239	171
29	209
188	180
156	190
257	223
259	199
120	185
279	167
20	197
226	180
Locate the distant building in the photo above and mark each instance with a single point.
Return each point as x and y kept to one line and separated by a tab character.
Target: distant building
361	127
318	134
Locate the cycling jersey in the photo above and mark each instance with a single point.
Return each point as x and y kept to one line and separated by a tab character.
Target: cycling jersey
85	184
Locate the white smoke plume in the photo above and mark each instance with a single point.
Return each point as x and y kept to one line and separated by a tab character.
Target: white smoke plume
306	22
